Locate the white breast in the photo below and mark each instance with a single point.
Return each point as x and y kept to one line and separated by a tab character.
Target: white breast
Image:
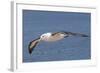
55	37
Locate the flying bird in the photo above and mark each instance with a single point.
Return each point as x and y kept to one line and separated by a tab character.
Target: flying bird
52	37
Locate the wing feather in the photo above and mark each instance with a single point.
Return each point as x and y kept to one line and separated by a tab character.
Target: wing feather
32	45
73	34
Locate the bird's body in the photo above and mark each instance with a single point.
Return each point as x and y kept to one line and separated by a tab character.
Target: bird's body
49	37
52	37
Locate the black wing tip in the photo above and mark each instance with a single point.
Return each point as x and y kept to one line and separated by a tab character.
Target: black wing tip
30	49
85	36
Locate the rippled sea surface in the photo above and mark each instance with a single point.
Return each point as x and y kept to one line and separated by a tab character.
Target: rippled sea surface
36	23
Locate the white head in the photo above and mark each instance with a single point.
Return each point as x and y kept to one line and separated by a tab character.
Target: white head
45	36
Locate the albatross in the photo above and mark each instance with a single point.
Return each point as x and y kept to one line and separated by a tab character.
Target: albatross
52	37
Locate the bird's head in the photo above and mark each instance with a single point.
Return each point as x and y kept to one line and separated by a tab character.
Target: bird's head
45	36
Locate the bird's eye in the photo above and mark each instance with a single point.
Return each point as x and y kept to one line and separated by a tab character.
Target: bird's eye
42	36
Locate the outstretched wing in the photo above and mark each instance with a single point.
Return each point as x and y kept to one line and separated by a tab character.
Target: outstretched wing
74	34
32	45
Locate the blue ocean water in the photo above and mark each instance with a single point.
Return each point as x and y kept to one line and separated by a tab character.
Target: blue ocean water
36	23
